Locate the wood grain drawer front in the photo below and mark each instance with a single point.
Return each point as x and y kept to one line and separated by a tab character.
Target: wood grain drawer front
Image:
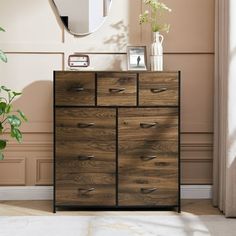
92	156
139	190
86	195
147	155
116	89
86	157
76	89
158	89
148	124
85	124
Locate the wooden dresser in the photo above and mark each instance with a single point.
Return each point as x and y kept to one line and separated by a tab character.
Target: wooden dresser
117	140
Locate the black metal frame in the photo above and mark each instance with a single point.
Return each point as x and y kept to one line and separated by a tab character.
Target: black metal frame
118	207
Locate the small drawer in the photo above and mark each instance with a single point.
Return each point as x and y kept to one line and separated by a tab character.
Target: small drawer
141	190
86	195
148	124
75	89
85	124
148	155
86	157
116	89
158	89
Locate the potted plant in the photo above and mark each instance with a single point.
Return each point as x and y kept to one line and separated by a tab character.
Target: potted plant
152	16
10	119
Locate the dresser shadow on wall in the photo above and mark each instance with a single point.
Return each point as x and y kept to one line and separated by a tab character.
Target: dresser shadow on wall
36	102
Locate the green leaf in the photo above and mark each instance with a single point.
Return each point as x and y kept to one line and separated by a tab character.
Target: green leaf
15	133
1	29
16	94
22	115
3	144
3	56
8	108
5	88
1	128
14	120
2	107
1	156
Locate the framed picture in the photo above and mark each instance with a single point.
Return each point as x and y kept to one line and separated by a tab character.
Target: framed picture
137	57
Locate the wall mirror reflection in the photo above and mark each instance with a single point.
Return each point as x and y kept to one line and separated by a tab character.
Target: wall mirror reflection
82	17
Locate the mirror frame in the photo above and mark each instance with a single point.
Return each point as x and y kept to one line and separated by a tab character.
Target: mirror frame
105	14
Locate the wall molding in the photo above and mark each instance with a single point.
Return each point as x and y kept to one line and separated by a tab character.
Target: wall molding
46	192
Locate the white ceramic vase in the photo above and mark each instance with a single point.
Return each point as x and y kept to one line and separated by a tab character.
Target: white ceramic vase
157	52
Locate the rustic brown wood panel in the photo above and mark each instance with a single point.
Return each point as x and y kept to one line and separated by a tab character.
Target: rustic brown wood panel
65	178
158	89
74	89
139	189
85	124
80	195
148	124
116	89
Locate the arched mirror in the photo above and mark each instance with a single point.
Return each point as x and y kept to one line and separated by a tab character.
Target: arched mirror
82	17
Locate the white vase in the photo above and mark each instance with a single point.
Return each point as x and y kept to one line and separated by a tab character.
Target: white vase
157	52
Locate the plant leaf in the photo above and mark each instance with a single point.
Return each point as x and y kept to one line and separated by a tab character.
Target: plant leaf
22	115
1	128
5	88
14	121
16	94
3	144
3	56
15	133
1	29
2	107
1	156
8	108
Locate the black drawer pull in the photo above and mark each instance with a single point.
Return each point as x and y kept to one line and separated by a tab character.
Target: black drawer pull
76	89
116	90
147	158
147	190
85	158
85	125
148	125
84	191
158	90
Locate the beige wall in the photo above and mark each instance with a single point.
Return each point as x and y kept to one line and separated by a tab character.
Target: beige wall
36	45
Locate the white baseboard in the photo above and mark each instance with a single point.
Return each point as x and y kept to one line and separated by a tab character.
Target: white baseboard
196	191
26	193
46	192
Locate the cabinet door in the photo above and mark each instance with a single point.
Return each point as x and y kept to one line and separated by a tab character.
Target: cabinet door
148	157
85	156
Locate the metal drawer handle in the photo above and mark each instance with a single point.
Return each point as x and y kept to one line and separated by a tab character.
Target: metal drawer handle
148	125
147	190
116	90
85	125
84	191
76	89
85	158
148	158
158	90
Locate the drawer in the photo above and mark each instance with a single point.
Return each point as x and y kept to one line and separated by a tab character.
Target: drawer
86	195
140	190
158	89
148	124
76	89
116	89
85	124
86	157
148	156
75	178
